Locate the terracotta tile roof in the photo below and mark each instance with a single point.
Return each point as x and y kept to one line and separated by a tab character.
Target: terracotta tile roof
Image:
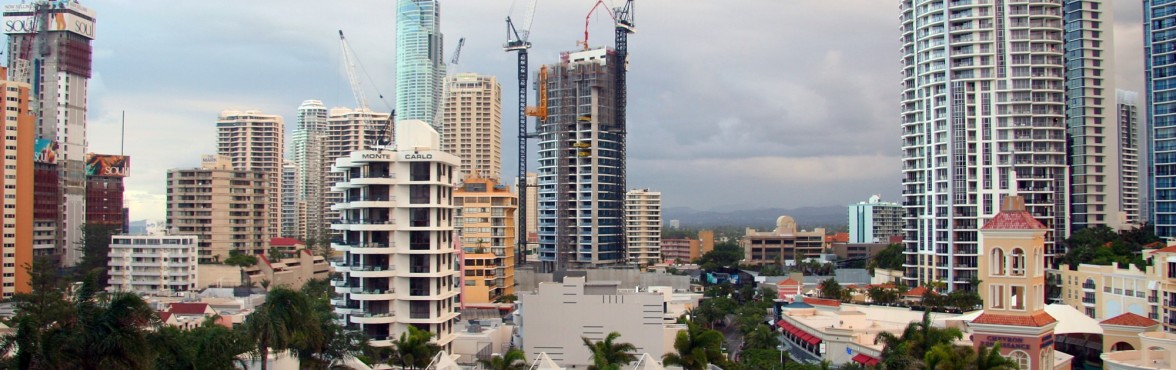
163	316
1036	320
1130	319
837	238
883	286
916	292
188	308
789	281
285	242
1171	249
822	302
1013	220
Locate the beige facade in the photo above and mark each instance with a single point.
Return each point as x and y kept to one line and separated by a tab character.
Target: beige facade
785	243
224	207
254	141
471	123
348	131
680	250
532	226
1163	296
1091	115
1157	350
18	156
289	272
485	221
1105	291
643	224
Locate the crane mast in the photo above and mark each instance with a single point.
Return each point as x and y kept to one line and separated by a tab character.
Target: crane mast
349	61
517	42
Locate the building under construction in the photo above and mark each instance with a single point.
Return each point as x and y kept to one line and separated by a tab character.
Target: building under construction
582	161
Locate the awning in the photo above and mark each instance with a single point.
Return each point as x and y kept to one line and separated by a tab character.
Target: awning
865	359
813	340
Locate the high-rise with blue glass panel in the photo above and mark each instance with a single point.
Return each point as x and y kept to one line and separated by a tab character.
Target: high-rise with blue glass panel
420	67
1159	30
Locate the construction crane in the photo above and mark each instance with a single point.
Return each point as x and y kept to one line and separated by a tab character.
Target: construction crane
517	41
624	25
349	62
445	83
588	19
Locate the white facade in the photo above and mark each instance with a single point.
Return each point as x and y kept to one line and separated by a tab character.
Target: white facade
290	203
252	140
1130	204
471	124
874	221
153	264
643	224
982	97
396	234
307	153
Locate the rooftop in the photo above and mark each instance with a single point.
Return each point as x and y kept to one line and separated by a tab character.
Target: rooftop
1130	319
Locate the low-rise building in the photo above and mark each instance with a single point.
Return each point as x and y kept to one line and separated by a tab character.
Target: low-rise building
783	245
287	246
152	264
1157	350
1121	333
680	250
289	272
1105	291
187	315
856	251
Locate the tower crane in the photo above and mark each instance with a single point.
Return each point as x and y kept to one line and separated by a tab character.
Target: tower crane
445	83
624	25
588	18
349	61
517	41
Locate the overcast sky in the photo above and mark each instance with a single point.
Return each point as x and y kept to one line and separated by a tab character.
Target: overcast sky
732	104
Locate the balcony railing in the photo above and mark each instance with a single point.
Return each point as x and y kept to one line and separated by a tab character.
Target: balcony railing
372	291
1087	286
374	314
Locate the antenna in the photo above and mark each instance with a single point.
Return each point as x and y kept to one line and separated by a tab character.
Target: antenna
122	141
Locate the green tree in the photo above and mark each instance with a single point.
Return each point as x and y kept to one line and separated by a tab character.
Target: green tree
509	298
831	289
334	343
513	359
414	349
95	251
990	359
608	354
762	337
695	348
882	295
209	346
39	314
724	255
760	359
906	351
890	258
109	331
279	322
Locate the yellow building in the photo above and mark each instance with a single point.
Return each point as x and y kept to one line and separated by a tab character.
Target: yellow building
1163	296
485	222
18	149
1103	292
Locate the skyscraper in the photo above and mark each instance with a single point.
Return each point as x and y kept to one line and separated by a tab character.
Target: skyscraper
223	206
49	49
420	67
1130	203
982	116
307	151
1091	115
643	224
471	124
252	140
17	154
290	202
348	131
1160	70
581	163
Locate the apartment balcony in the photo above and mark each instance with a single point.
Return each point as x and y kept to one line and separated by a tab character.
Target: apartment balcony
365	225
374	179
369	294
1088	287
373	317
1088	302
373	271
340	266
370	248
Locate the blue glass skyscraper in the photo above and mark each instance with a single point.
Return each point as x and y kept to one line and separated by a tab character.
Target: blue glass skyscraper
420	67
1159	31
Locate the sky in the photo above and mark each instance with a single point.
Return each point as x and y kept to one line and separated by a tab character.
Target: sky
732	105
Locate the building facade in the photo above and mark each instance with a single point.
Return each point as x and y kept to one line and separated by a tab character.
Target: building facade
55	61
680	250
874	221
471	123
291	206
981	99
1103	292
1130	202
104	202
484	216
582	163
307	151
785	245
291	271
254	141
643	224
153	264
348	131
224	207
528	232
396	228
1159	20
19	157
420	63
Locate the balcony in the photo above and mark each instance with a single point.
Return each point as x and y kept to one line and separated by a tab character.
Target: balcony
369	294
373	317
373	271
372	248
1088	287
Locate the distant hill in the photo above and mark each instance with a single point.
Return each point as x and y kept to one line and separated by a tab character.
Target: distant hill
806	217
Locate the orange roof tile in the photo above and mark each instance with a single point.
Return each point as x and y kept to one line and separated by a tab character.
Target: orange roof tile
1171	249
1013	220
789	281
916	292
822	302
1036	320
1130	319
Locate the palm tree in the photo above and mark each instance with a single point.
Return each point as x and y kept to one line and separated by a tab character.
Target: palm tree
990	359
279	322
513	359
696	347
414	349
608	354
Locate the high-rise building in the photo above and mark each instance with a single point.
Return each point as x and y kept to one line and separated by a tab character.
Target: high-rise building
18	156
223	206
307	151
1091	115
643	224
1130	204
874	221
104	191
420	67
982	104
485	221
1159	17
290	202
49	49
252	140
582	163
348	131
471	123
396	229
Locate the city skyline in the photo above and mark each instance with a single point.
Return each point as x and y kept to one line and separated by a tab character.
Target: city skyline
800	95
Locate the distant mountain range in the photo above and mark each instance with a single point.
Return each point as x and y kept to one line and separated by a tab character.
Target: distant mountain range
806	217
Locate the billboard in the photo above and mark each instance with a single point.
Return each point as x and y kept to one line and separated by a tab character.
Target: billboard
63	16
45	151
106	165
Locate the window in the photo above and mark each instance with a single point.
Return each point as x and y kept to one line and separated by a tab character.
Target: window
1020	358
998	296
998	262
1017	262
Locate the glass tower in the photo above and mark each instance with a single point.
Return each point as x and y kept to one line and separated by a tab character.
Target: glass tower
1159	32
420	69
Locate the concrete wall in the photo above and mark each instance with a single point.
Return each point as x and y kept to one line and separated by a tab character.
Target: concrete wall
212	275
529	280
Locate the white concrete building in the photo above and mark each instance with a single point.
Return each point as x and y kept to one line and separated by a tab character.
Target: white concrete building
291	206
982	97
1130	203
396	235
555	316
874	221
643	223
307	152
154	264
